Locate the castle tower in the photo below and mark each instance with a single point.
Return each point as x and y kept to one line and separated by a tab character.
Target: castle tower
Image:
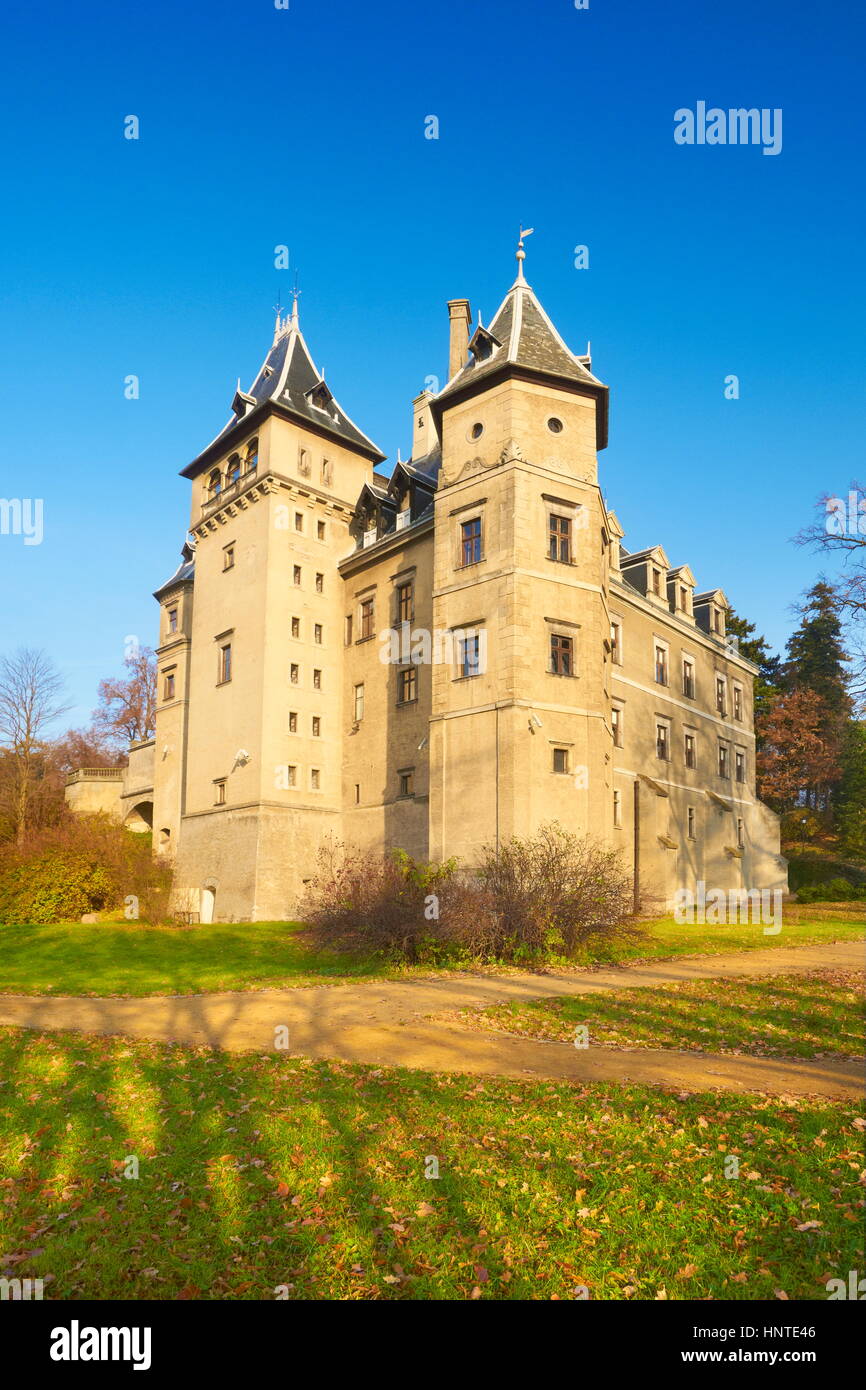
521	717
272	499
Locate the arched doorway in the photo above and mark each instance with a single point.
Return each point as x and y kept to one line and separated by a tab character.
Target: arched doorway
140	818
208	900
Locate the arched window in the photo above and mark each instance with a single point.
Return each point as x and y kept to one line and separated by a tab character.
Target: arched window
252	456
233	472
214	485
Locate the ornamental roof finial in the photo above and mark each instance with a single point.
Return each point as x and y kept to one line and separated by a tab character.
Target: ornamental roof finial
521	254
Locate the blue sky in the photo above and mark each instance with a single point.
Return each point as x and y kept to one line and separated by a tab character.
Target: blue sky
305	127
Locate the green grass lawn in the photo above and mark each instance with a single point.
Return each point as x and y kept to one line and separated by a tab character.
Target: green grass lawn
113	958
817	1015
262	1171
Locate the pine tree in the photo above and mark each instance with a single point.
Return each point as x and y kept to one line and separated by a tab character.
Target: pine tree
816	656
851	796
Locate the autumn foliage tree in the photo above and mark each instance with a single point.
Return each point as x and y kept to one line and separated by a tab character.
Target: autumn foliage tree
799	759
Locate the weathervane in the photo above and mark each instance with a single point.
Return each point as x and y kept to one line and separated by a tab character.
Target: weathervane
521	254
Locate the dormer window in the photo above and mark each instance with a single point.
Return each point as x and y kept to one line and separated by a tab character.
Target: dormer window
319	396
483	344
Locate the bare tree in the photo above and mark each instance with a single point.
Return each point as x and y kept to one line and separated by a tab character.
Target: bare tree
126	712
839	529
31	698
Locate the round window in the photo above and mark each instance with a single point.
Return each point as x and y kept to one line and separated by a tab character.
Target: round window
476	431
554	425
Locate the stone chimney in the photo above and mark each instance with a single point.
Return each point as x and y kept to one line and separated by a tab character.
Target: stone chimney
460	316
423	429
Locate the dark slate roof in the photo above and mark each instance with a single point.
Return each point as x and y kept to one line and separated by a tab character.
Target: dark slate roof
527	339
184	573
286	379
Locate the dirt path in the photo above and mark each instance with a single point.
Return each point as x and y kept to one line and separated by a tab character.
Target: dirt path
386	1023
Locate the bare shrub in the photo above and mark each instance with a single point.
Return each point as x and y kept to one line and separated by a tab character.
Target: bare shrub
537	898
552	893
388	904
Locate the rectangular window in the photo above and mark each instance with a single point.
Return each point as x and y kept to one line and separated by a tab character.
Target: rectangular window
405	602
320	530
688	678
168	687
327	472
616	643
357	793
315	778
559	538
304	462
367	620
407	685
661	665
293	721
296	627
560	760
299	521
317	679
228	557
561	655
657	582
662	742
359	703
724	770
407	781
684	599
616	725
172	620
617	809
721	695
294	673
690	813
292	775
740	832
469	654
738	702
348	628
296	576
320	583
740	765
225	662
219	791
317	726
690	750
470	541
317	634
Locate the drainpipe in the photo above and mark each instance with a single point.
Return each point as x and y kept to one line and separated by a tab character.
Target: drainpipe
636	846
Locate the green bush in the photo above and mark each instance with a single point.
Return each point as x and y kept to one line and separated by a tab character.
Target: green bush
55	886
836	890
86	864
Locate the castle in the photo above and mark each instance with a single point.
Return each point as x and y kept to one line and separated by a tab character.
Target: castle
438	659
